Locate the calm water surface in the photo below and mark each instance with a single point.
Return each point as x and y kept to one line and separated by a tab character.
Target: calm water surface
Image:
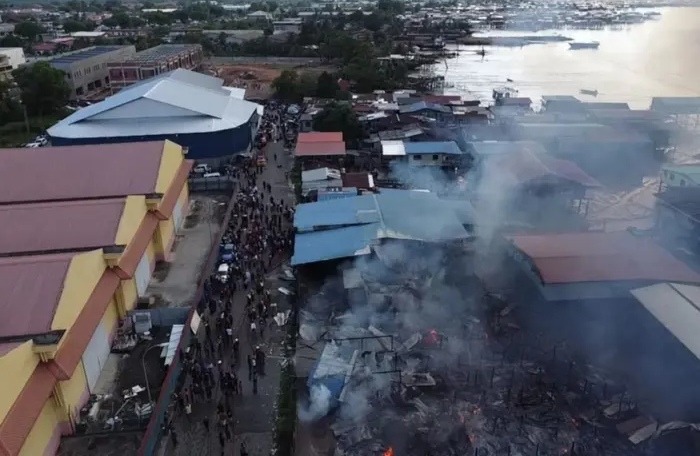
633	64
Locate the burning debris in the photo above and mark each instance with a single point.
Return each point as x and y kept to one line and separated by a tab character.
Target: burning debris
421	365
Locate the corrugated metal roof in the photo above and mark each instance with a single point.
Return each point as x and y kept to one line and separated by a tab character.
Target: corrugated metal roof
393	148
320	136
213	109
79	172
30	288
319	149
488	148
521	168
345	242
398	214
345	192
59	226
422	106
677	307
347	211
601	257
319	174
432	147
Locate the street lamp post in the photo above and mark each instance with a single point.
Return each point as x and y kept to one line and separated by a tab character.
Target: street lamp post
145	374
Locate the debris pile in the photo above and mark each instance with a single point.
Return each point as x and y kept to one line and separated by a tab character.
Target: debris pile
444	370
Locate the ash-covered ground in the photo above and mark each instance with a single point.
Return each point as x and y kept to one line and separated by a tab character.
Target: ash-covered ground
413	357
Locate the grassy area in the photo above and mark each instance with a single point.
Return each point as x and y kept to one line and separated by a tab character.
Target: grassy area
14	134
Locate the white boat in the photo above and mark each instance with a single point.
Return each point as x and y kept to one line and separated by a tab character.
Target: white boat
584	45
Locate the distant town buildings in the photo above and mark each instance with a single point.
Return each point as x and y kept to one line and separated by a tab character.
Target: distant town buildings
15	56
287	26
153	62
86	70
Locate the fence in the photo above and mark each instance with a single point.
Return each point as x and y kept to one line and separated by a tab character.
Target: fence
211	184
152	436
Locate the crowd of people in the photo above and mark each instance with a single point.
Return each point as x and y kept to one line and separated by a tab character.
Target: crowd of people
260	231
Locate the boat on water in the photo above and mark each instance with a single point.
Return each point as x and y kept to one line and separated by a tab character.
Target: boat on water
584	45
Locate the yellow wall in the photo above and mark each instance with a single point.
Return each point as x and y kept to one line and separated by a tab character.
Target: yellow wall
133	214
167	227
41	432
73	390
84	272
110	318
129	290
18	366
169	165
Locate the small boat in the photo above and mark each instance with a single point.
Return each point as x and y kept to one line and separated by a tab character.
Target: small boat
593	93
584	45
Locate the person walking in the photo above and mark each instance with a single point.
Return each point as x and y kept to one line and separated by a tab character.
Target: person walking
205	423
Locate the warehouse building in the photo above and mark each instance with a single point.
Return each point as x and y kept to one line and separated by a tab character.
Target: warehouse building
78	244
191	109
86	70
154	62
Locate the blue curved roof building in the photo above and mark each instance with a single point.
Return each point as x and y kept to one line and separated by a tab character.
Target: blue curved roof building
192	109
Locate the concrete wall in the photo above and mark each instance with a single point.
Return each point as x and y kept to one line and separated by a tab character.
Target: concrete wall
21	363
84	73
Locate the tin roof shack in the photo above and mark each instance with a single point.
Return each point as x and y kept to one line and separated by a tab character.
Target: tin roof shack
678	218
574	289
620	117
316	149
350	227
562	104
318	179
687	175
444	154
608	154
531	188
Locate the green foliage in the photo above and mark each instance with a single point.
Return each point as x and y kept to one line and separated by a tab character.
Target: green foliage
286	86
76	25
43	89
28	29
10	109
11	41
158	18
327	86
339	117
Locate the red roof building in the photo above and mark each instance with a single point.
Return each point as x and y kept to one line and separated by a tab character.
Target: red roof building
595	257
320	144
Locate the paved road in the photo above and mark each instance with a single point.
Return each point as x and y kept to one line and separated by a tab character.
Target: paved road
253	414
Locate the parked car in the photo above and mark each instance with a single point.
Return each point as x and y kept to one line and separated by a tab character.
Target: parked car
212	175
32	145
202	169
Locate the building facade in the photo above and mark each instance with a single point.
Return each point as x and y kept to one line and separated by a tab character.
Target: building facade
192	109
86	70
154	62
91	274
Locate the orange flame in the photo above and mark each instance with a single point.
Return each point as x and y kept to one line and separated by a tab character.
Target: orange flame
389	452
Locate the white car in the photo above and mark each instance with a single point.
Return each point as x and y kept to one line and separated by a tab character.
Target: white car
32	145
43	140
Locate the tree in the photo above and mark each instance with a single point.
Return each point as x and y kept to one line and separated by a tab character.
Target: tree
339	117
43	89
10	110
74	25
28	29
326	86
286	85
11	41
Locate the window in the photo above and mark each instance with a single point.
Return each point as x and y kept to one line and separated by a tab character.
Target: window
79	91
418	157
436	157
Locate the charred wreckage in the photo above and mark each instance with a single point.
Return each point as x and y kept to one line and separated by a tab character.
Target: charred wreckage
401	355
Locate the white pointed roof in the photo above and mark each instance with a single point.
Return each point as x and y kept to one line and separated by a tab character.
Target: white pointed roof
178	102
